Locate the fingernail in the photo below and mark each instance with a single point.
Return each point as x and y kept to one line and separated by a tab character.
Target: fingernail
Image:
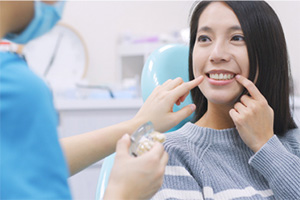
125	136
193	107
238	76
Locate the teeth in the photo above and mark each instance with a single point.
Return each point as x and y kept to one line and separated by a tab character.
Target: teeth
221	76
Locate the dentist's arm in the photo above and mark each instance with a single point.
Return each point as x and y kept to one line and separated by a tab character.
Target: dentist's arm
88	148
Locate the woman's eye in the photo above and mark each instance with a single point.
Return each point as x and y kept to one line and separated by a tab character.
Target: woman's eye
238	38
203	38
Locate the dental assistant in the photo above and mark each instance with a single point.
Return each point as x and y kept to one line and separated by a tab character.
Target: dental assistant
34	163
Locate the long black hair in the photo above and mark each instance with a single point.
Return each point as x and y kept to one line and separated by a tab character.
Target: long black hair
267	49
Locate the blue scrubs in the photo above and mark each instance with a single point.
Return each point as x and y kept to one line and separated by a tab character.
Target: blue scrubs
32	162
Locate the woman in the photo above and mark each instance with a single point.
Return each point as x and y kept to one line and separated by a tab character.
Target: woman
244	142
32	162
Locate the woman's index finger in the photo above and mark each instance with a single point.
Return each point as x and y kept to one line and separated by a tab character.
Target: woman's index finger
193	83
185	88
250	86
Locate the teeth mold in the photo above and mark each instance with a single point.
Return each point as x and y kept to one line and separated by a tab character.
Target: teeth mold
143	139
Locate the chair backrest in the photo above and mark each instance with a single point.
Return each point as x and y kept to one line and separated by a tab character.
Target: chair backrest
168	62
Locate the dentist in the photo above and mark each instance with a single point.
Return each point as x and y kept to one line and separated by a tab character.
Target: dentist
34	163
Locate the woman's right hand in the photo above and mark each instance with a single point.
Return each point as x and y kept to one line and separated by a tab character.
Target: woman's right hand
158	108
136	177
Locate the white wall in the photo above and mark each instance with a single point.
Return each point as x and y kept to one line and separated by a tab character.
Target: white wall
289	15
102	22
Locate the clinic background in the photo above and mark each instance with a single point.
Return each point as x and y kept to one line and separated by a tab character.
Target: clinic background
104	23
119	35
108	26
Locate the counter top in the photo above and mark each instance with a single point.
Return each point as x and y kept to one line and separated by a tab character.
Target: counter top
91	104
88	104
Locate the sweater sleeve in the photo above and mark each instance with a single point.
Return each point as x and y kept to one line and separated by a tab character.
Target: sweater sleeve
280	167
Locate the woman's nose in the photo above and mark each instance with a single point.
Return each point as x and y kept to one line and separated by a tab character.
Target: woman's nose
219	53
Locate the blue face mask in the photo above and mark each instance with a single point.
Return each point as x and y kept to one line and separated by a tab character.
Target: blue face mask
45	18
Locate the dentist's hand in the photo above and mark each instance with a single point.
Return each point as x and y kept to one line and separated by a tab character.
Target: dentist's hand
136	177
158	108
253	117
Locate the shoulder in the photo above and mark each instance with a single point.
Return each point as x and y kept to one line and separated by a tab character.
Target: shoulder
16	75
20	87
291	136
185	143
178	139
25	99
29	122
175	143
291	140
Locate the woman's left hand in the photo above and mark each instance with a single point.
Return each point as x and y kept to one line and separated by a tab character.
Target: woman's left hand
252	116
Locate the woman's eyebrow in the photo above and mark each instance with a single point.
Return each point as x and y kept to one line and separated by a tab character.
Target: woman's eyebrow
209	29
205	29
235	28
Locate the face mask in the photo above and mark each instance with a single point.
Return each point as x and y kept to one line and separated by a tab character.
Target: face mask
45	18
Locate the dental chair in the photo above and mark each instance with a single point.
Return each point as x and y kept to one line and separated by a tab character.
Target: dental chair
167	62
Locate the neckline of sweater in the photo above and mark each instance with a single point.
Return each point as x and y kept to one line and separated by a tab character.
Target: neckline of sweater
196	133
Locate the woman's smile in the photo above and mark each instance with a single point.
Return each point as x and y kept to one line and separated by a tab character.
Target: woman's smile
220	77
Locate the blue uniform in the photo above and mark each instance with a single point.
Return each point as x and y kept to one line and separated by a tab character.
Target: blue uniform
32	161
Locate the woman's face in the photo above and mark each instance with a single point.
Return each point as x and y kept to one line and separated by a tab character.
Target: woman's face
219	54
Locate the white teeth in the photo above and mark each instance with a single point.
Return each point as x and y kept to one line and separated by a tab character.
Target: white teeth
221	76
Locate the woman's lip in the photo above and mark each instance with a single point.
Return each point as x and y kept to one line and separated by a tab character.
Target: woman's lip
220	72
219	82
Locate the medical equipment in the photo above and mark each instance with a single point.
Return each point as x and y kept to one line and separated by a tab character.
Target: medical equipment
60	56
143	139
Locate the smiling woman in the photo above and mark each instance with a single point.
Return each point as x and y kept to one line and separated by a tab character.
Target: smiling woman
219	50
244	138
249	56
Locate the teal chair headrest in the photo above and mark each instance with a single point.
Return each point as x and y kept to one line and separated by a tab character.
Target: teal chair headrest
167	62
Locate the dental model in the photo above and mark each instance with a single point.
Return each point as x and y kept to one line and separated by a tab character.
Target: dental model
146	143
158	137
144	138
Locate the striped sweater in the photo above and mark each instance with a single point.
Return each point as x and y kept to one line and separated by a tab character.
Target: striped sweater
216	164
